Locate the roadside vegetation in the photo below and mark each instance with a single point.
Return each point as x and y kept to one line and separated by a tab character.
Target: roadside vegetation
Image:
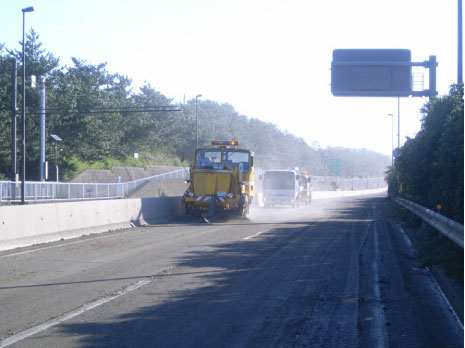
433	249
74	165
103	121
429	171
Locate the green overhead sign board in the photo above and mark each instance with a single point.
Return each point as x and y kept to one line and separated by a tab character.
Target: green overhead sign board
335	166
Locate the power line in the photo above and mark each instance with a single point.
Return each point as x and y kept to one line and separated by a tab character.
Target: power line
163	108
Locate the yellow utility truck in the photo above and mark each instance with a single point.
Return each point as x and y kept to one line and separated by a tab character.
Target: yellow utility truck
221	179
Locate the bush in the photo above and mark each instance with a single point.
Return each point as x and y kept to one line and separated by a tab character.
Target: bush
435	249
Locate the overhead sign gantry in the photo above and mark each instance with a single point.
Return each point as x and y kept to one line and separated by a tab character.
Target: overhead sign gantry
378	73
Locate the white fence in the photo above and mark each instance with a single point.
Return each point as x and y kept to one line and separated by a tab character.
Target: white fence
38	191
350	184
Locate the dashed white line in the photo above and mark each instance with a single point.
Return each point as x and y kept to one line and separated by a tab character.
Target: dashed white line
42	327
255	235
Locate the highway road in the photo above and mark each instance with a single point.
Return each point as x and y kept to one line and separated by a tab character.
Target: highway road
337	273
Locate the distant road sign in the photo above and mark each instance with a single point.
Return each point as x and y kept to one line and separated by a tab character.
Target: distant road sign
335	166
371	72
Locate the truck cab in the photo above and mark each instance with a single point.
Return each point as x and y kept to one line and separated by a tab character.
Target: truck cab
221	178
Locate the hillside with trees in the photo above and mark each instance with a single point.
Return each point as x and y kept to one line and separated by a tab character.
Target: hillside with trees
100	119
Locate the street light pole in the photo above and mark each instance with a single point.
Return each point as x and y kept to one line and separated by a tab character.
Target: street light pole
14	167
23	116
42	129
460	45
392	138
398	123
196	122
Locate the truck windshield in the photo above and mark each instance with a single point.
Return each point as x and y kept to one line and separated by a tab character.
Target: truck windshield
279	180
208	158
237	158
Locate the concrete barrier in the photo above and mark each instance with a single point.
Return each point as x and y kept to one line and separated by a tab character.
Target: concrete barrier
334	194
26	225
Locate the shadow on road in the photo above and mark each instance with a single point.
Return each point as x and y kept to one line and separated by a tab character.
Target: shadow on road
291	287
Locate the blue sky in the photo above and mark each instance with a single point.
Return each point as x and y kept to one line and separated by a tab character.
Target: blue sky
269	59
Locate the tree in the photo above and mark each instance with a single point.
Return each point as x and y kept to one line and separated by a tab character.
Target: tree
38	63
88	110
429	168
6	64
98	117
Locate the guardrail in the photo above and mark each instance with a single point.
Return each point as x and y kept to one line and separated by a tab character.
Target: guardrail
449	228
38	191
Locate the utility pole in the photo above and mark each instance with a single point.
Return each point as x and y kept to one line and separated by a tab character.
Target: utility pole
196	122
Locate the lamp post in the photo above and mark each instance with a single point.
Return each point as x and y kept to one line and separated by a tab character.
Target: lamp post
196	122
392	138
460	45
398	123
57	139
23	116
42	129
14	171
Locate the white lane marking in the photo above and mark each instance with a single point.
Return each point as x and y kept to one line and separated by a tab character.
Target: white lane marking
255	235
380	333
71	243
48	324
434	282
59	245
444	297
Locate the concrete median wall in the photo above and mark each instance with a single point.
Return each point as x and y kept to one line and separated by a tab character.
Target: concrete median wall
26	225
334	194
40	223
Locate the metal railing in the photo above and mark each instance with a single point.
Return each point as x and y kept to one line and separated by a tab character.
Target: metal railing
38	191
449	228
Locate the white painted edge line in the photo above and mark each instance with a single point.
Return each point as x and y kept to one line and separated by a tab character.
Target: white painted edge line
379	328
87	307
435	283
255	235
449	306
61	245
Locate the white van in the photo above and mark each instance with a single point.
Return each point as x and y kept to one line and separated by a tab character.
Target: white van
280	187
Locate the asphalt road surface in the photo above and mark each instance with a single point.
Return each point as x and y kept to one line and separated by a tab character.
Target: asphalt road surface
337	273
